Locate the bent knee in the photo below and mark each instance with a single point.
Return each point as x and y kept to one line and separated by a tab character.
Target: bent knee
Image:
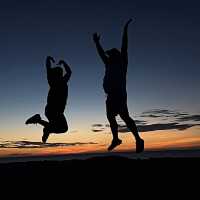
62	129
65	129
57	129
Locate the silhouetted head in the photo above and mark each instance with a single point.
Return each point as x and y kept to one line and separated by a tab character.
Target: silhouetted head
113	54
57	73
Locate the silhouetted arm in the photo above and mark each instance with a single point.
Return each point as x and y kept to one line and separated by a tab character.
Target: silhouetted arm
124	48
67	69
48	67
100	50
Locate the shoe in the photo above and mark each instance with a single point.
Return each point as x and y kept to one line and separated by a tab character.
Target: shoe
114	144
33	120
139	146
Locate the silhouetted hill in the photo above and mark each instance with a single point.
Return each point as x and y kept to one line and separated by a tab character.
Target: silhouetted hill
106	166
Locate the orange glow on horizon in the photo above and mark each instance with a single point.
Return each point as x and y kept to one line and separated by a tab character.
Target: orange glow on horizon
158	140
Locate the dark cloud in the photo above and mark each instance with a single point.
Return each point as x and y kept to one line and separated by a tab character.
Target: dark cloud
30	144
155	127
151	116
173	115
156	113
158	127
97	125
100	127
175	121
166	126
180	115
97	130
194	118
140	122
159	112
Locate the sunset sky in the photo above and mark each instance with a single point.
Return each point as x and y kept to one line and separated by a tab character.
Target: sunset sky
163	75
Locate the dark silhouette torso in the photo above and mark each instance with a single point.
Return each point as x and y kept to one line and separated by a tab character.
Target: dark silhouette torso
57	96
115	79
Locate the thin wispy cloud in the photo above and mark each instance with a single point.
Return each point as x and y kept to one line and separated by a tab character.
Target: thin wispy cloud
150	115
160	112
102	127
175	120
97	130
194	118
158	127
31	144
97	125
157	113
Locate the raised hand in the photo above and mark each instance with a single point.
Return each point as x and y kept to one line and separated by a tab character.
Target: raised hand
65	65
50	59
67	69
62	62
128	22
96	37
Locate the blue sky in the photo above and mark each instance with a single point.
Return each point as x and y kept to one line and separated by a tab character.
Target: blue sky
164	60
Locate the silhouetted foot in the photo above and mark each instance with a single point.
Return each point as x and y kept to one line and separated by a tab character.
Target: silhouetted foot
34	119
139	146
114	144
45	136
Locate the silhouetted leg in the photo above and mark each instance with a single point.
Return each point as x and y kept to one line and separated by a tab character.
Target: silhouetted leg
46	130
130	123
56	125
111	113
43	123
59	124
46	133
114	128
36	119
133	128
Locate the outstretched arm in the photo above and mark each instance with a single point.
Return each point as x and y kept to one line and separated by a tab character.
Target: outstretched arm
124	48
67	69
49	61
100	50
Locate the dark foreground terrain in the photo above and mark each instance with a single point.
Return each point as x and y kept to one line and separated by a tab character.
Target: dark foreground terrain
98	177
105	167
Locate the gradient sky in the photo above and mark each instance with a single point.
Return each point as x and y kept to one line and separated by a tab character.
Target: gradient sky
164	48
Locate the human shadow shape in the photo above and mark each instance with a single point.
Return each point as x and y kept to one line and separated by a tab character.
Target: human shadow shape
114	84
56	100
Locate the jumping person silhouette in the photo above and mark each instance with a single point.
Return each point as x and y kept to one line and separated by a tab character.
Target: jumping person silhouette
56	100
114	85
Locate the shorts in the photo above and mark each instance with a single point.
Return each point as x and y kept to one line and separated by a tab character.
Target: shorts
57	121
116	105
